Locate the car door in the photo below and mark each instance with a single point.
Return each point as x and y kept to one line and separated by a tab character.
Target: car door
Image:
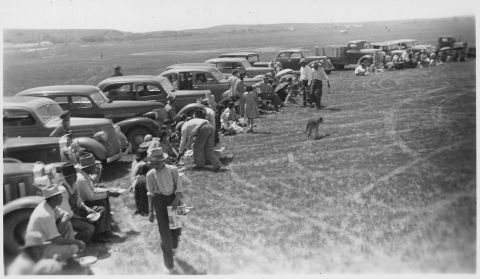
294	61
120	91
217	88
20	122
82	106
283	58
150	91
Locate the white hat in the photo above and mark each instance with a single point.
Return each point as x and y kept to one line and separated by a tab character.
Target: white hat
157	154
50	191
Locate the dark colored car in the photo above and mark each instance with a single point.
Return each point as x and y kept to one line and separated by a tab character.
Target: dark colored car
89	101
227	64
148	87
201	78
20	197
34	117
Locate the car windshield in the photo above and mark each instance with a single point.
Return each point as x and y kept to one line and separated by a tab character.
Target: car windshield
246	64
217	74
48	112
98	97
167	86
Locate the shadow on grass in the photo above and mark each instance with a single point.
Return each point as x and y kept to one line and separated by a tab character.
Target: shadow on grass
115	170
319	137
188	269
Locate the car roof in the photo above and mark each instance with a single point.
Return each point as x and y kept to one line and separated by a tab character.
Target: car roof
357	41
238	54
181	65
226	59
292	50
131	78
54	90
25	102
190	68
399	41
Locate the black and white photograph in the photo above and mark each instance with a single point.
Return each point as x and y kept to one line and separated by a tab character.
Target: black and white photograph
253	138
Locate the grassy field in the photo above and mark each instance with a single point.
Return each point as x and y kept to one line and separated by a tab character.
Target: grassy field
389	187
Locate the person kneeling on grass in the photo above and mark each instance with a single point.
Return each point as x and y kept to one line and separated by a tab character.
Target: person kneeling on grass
164	188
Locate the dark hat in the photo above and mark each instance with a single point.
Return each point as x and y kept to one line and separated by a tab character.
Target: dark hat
68	169
117	67
87	160
64	114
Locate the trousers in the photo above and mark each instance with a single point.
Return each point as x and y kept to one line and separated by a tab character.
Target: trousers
316	92
203	147
169	238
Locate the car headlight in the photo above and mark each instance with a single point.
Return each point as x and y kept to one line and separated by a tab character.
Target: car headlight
101	136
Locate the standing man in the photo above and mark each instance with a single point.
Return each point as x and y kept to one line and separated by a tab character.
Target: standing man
318	75
164	188
117	71
201	133
42	227
232	80
305	80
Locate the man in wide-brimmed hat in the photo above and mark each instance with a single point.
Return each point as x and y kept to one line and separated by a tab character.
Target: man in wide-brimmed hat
90	194
305	80
164	188
42	229
318	75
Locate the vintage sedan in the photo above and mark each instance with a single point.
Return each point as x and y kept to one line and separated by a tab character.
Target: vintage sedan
33	117
90	101
290	59
202	78
252	57
148	87
227	64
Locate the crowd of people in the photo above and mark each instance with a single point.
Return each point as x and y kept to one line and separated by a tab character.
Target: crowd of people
410	58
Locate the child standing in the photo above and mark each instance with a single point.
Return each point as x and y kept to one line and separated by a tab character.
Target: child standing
251	107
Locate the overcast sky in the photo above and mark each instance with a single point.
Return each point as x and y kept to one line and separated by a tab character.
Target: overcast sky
156	15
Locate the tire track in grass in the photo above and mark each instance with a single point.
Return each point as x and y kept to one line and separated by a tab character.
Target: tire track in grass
357	196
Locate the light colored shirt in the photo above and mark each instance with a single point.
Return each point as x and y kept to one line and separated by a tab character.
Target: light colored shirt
41	225
306	73
227	116
189	130
232	81
163	181
171	113
210	116
359	70
66	191
87	190
319	74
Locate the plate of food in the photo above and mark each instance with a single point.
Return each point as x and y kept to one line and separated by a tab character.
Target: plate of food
93	217
87	260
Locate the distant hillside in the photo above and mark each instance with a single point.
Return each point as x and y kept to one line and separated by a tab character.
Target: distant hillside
25	36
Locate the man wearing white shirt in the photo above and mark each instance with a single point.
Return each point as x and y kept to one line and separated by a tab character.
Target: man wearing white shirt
318	75
306	79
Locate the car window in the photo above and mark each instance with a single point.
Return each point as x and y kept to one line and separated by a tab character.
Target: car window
296	55
185	81
283	55
253	58
172	80
118	91
62	101
81	102
17	118
98	97
246	64
48	112
216	74
200	78
352	45
144	90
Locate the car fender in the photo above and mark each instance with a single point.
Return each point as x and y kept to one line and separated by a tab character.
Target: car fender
186	109
147	123
94	146
367	57
24	202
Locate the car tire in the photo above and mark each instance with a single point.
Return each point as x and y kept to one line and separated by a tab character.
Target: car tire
14	228
135	136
